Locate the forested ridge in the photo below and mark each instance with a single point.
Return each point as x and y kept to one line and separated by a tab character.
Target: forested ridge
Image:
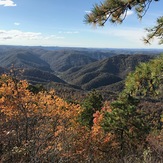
73	71
39	126
71	65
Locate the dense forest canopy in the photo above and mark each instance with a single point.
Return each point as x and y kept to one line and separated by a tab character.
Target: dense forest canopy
39	126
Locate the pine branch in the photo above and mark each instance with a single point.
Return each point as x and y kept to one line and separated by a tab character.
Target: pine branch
156	31
114	10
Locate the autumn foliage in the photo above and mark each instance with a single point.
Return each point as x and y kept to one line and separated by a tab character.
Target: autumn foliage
41	127
34	126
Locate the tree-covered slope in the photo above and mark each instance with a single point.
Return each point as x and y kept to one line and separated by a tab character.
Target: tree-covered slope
86	68
38	76
22	59
63	60
104	72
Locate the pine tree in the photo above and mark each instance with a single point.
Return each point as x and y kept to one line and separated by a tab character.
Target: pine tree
146	80
91	104
115	11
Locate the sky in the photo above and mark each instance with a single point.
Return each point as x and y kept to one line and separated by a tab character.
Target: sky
61	23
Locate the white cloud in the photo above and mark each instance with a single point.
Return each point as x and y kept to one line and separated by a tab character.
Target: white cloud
134	33
16	34
68	32
7	3
71	32
53	37
125	37
87	12
7	38
19	37
16	23
129	12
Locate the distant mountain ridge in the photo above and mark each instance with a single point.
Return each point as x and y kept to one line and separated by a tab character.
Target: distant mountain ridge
81	67
22	59
63	60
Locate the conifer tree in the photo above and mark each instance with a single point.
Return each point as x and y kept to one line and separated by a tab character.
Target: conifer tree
146	80
91	104
115	11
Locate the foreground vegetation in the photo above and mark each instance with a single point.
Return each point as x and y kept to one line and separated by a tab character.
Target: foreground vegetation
39	126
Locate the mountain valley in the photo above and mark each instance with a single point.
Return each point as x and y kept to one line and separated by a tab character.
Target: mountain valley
73	68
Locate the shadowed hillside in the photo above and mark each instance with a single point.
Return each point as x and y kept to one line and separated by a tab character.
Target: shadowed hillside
104	72
38	76
64	60
82	67
22	59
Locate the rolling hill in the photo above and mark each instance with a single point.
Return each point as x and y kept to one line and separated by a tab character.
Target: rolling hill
22	59
60	61
81	67
103	72
37	76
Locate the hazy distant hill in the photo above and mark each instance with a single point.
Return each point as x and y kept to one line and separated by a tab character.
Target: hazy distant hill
38	76
87	68
63	60
22	59
104	72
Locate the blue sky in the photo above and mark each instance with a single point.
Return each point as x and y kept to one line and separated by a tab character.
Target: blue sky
61	23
